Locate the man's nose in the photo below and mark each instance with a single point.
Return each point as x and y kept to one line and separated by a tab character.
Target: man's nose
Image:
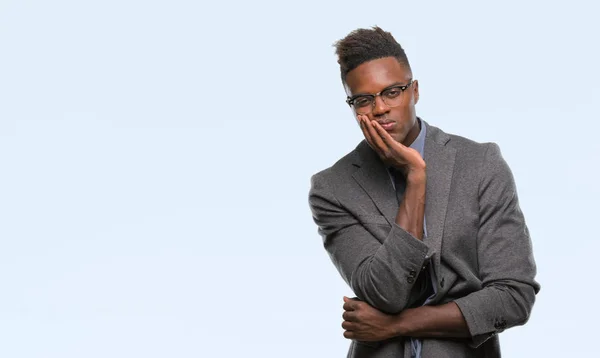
380	107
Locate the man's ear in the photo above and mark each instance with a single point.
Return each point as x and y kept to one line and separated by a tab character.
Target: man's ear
415	88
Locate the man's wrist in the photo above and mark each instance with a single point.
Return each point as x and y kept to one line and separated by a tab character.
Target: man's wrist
399	327
445	320
416	176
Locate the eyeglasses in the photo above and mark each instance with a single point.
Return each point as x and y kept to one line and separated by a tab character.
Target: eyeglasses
391	96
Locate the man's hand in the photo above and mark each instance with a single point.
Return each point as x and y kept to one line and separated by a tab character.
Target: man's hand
411	210
363	322
388	149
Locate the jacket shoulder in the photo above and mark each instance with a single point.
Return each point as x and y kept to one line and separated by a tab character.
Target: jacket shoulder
472	157
465	147
343	167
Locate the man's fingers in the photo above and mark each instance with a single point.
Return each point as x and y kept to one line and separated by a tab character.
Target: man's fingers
347	325
376	138
363	126
349	316
362	120
348	334
385	136
349	306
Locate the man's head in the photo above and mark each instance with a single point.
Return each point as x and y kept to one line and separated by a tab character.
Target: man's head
371	61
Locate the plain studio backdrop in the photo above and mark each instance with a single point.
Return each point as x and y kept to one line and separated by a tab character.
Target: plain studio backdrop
155	159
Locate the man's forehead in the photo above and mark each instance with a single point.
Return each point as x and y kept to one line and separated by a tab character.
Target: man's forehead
375	75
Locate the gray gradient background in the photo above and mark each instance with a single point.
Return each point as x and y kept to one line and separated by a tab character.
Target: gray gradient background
155	160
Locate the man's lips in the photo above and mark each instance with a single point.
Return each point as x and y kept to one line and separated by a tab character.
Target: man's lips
387	125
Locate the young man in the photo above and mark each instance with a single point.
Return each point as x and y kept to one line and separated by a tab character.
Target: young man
424	226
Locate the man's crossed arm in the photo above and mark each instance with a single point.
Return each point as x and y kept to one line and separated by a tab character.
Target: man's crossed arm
364	322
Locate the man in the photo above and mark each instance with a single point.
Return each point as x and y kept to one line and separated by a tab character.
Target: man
424	226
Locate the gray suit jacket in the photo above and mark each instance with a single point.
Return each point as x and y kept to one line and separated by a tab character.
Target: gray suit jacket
477	242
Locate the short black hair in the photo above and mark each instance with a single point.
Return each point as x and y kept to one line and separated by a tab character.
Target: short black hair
362	45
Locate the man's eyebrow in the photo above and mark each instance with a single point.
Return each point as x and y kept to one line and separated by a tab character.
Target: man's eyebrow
370	94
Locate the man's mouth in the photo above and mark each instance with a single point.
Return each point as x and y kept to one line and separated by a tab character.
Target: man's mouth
387	125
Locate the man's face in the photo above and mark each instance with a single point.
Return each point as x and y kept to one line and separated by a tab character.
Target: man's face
373	76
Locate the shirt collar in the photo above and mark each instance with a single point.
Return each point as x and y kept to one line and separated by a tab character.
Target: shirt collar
419	143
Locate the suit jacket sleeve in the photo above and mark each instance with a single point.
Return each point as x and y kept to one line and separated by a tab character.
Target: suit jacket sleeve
504	251
380	273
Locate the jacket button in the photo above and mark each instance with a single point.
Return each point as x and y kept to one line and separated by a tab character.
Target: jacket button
412	273
442	283
410	279
500	324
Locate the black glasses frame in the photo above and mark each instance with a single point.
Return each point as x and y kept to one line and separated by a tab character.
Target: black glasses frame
402	88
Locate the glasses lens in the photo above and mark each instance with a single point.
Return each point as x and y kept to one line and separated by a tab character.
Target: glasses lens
392	96
363	104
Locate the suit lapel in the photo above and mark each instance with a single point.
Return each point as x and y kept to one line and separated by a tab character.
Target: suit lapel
373	177
440	166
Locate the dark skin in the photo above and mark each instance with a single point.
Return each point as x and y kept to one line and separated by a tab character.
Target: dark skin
362	321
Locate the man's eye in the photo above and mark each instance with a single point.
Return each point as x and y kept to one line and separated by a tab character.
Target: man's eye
362	102
392	92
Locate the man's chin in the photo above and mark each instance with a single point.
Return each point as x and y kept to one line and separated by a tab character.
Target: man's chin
399	138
